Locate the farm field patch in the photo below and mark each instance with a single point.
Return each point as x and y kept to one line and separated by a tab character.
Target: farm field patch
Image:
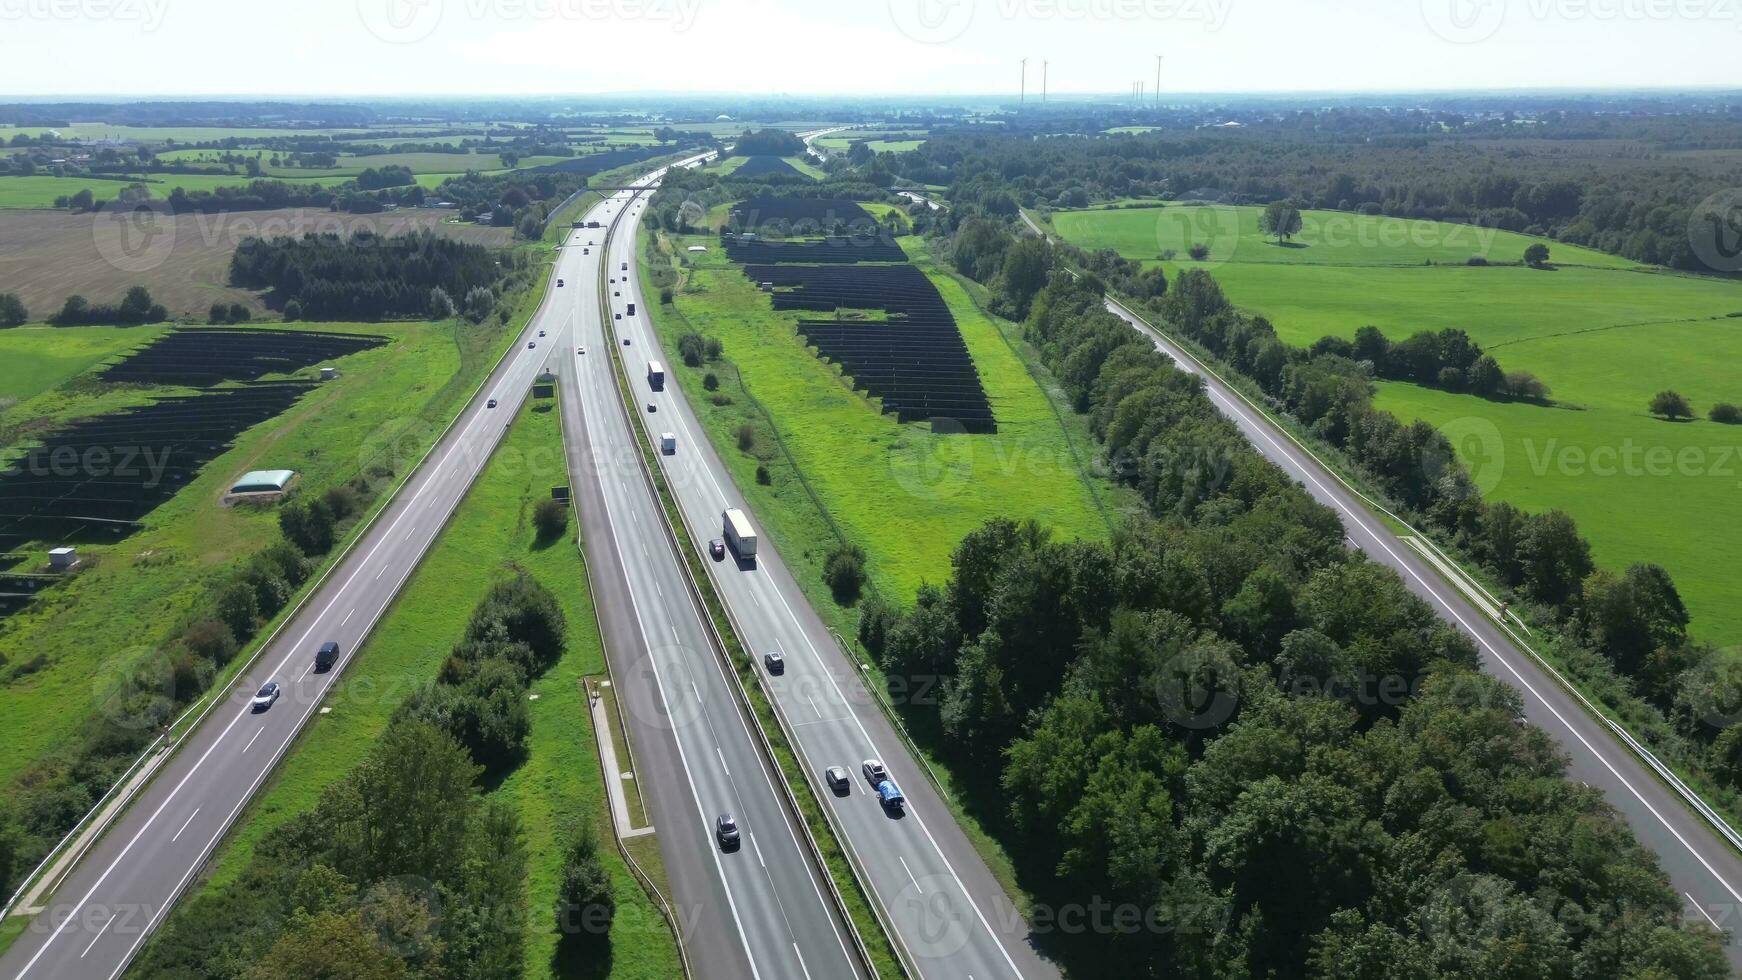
55	254
1602	332
35	359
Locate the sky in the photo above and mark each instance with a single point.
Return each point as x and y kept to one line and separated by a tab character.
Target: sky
138	48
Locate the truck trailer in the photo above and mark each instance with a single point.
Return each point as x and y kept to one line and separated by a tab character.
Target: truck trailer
655	376
738	533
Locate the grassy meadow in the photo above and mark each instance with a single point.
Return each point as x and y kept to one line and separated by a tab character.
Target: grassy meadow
1603	332
904	494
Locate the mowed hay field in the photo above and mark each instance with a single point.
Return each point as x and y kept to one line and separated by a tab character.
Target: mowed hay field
183	259
1604	333
35	359
904	494
387	406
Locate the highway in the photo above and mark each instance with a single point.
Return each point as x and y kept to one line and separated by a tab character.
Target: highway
94	922
1704	870
760	910
948	914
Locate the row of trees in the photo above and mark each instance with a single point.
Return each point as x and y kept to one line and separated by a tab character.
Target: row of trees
1254	744
136	307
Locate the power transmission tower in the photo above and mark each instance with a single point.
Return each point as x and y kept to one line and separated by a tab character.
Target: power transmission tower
1022	93
1158	81
1043	64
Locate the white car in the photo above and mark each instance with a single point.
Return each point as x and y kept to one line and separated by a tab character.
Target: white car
265	697
874	771
836	777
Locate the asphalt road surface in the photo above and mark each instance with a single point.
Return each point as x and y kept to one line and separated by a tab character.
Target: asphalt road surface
760	909
948	913
95	921
1705	872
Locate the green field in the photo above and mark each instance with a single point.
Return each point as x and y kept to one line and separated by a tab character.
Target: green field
387	404
40	191
35	359
560	785
351	166
1601	331
904	494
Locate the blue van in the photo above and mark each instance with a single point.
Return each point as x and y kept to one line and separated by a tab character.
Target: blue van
890	794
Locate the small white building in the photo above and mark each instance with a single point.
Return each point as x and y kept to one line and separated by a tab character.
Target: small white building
63	559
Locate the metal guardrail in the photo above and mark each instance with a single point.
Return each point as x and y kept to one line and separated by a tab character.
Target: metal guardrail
212	697
694	591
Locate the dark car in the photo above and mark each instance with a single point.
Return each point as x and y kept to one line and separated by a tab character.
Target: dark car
651	407
326	656
625	341
775	663
531	344
836	777
717	548
726	829
490	404
559	284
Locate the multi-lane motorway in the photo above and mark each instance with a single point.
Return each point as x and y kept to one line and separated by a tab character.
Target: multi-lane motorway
947	914
758	910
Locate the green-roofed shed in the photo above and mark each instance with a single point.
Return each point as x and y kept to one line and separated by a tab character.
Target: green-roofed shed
263	481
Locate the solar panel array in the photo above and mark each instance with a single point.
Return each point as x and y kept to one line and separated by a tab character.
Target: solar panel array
97	477
915	361
820	212
202	356
766	166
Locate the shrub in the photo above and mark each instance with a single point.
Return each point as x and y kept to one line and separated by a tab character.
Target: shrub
551	517
710	382
1671	405
713	349
1198	251
1536	255
762	475
211	640
665	296
1726	414
292	311
691	349
308	525
1476	260
844	571
746	437
876	616
12	312
585	905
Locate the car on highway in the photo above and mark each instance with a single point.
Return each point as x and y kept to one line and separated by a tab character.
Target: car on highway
559	284
490	404
717	549
874	771
890	796
580	350
625	341
541	333
531	344
586	251
837	778
625	267
616	292
266	696
326	657
726	829
775	663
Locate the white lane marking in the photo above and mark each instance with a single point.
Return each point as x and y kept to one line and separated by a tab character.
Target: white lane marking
432	480
801	966
348	616
184	825
725	768
910	876
697	690
106	923
1360	522
251	741
656	588
814	707
758	849
1701	909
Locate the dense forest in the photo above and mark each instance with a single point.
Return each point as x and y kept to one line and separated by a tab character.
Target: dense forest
1627	186
367	276
1257	739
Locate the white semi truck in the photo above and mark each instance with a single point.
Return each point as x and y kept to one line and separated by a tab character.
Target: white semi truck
655	376
738	533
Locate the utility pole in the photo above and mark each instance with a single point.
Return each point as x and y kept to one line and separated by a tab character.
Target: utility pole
1022	93
1043	64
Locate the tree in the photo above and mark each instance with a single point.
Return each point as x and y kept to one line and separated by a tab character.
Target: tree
329	946
12	311
1485	378
1725	413
1536	255
1555	559
220	313
551	517
1280	218
710	382
1026	264
1668	404
83	201
1629	617
691	348
585	903
1525	386
844	571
